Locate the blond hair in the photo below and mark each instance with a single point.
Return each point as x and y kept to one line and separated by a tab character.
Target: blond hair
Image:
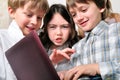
38	4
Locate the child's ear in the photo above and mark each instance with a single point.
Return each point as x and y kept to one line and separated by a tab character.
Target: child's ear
11	12
102	10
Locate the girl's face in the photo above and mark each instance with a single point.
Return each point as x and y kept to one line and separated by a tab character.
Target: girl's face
58	30
86	16
27	19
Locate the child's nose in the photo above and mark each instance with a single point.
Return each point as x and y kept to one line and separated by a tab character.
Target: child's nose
34	20
79	17
59	32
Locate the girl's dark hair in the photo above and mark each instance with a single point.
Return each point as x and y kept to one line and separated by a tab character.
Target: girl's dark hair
62	10
99	3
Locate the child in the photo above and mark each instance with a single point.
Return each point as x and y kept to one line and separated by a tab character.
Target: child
98	53
27	16
58	32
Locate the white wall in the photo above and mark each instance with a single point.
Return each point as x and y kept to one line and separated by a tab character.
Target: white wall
116	5
4	17
57	2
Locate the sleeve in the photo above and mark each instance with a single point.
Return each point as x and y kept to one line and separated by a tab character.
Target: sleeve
6	72
2	64
110	70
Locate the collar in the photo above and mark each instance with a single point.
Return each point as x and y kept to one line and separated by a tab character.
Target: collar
99	28
14	31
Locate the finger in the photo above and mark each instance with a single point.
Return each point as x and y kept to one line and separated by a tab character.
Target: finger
73	74
66	56
52	56
69	75
61	76
63	54
76	76
68	50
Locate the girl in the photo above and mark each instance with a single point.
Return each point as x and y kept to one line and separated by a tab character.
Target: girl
58	32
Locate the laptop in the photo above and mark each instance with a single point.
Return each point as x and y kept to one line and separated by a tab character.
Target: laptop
30	61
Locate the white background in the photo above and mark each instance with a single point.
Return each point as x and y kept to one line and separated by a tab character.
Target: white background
116	5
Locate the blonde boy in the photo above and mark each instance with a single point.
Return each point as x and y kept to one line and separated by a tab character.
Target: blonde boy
27	16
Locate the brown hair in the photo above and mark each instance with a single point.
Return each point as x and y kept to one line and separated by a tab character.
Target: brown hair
99	3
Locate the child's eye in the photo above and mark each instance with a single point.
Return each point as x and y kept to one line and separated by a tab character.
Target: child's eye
51	27
39	18
29	15
65	26
84	10
73	14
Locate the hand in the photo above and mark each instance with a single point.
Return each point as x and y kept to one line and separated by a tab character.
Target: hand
76	72
59	55
61	74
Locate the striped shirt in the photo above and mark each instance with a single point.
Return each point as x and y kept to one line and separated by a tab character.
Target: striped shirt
102	46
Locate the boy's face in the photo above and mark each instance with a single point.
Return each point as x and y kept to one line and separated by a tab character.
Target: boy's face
28	19
86	16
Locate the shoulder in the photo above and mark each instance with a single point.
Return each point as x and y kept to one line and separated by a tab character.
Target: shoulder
114	25
114	29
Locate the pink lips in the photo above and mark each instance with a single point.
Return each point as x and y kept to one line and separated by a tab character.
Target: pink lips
30	28
83	23
59	40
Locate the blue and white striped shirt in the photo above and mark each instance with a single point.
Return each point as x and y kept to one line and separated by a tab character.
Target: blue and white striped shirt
102	46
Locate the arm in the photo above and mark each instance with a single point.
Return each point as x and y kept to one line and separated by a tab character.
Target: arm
6	72
2	64
106	70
